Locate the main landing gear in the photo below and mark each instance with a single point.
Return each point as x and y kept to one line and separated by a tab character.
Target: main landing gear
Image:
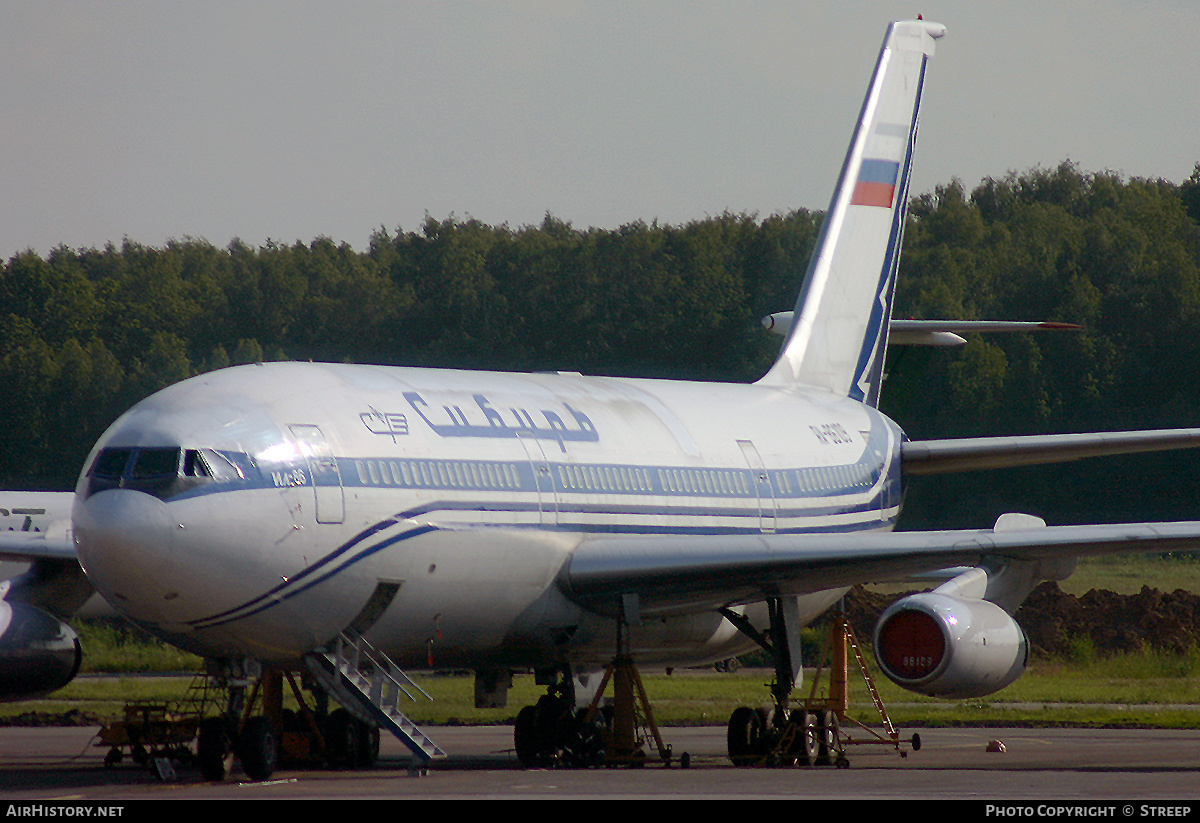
785	734
810	732
790	733
554	733
784	737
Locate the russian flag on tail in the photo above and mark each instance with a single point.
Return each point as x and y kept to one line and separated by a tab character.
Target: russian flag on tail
876	185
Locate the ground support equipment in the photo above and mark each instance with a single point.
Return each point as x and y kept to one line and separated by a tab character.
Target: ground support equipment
632	723
157	735
843	641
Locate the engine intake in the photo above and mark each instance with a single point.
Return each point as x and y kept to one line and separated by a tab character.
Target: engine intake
944	646
38	652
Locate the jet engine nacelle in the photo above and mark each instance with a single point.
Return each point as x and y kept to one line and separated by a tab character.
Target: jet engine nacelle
944	646
38	652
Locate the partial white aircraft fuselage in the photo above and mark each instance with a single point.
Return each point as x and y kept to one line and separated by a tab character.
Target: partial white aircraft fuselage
262	506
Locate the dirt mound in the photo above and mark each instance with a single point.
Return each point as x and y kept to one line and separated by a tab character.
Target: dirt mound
1152	619
1056	621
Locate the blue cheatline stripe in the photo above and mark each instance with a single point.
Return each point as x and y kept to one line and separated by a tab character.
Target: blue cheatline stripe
373	539
276	595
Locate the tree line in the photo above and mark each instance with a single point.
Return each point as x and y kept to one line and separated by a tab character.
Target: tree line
85	333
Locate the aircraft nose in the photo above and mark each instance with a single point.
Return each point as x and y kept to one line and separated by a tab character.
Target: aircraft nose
125	542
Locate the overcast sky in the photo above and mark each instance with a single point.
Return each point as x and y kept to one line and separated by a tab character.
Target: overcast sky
293	120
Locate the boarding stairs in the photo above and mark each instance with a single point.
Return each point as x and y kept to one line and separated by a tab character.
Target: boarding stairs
369	685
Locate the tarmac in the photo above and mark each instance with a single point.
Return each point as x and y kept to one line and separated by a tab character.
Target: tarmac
1000	771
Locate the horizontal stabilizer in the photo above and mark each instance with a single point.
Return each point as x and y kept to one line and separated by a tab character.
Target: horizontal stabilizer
933	332
30	546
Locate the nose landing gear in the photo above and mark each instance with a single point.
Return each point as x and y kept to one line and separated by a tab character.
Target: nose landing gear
261	741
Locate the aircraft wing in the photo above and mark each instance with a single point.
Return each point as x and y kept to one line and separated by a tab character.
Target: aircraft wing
36	531
970	454
36	525
672	574
37	546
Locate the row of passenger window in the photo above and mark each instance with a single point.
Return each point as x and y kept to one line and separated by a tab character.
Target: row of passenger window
786	483
438	474
711	482
825	479
605	478
615	479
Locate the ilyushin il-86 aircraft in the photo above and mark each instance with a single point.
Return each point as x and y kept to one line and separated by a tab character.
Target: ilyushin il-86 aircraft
292	516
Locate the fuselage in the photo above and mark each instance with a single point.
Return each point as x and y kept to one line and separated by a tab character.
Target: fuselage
260	510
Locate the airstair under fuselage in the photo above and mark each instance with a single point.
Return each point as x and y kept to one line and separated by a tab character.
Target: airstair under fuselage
370	686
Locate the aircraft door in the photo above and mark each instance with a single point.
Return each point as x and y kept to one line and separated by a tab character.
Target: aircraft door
323	469
762	486
543	477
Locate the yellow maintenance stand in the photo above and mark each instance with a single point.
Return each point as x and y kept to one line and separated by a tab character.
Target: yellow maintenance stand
808	732
840	644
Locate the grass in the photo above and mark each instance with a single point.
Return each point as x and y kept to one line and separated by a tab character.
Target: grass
115	647
1126	574
1142	690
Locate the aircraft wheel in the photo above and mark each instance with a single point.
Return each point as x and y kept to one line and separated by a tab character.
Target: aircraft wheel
257	748
555	721
808	738
525	737
213	749
744	736
827	730
585	742
368	745
549	733
342	739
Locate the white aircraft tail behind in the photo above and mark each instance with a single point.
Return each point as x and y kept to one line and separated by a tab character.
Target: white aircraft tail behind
839	334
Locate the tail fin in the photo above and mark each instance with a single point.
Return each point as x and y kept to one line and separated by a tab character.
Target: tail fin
840	327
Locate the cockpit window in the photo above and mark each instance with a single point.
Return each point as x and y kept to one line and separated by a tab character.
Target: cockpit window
155	463
221	466
110	463
164	472
194	465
